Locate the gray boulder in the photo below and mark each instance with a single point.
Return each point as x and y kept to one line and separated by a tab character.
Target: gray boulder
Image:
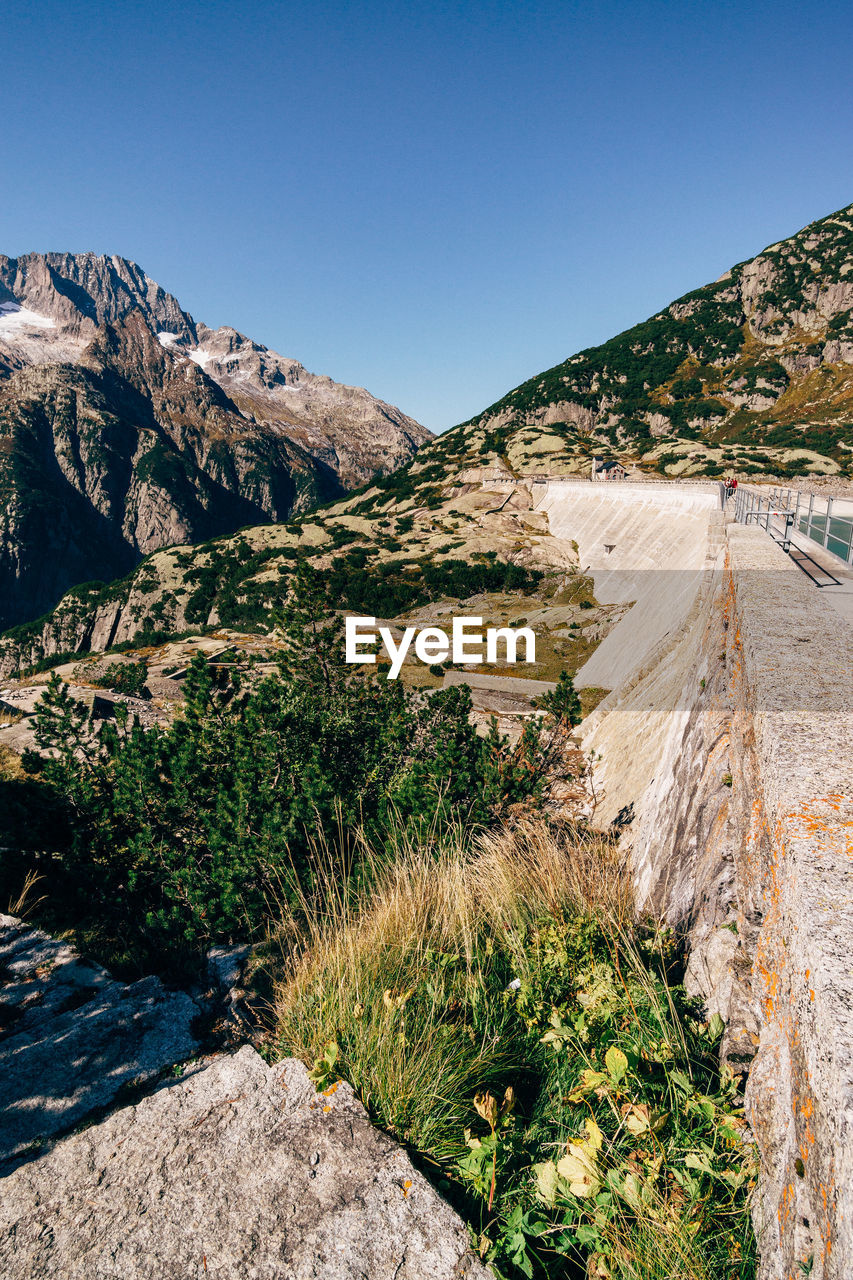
236	1170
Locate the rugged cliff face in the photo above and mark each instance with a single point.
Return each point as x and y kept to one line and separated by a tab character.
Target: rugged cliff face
125	426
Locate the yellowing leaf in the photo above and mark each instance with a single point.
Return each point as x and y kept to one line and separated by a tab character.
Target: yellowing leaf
487	1106
637	1118
631	1189
547	1179
696	1160
658	1119
616	1064
594	1135
396	999
578	1169
589	1080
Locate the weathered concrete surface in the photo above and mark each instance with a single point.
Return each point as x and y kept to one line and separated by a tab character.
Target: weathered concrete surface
643	543
238	1170
637	732
744	836
71	1038
840	593
792	734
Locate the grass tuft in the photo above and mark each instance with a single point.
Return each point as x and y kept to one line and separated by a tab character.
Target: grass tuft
499	1010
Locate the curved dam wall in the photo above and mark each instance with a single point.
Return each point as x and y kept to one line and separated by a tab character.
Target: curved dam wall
640	543
728	749
658	546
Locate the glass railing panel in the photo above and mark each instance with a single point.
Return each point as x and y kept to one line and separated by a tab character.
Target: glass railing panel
839	528
838	548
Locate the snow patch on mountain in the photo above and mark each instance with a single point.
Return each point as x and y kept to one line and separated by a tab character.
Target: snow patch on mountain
14	318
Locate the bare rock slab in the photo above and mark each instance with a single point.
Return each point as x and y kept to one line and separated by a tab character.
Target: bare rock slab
236	1170
72	1038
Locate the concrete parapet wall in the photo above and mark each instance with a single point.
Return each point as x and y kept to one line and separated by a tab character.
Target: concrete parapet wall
679	493
791	686
734	745
725	749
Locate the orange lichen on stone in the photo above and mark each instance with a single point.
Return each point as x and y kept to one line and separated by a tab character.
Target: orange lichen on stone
806	1137
786	1205
824	1225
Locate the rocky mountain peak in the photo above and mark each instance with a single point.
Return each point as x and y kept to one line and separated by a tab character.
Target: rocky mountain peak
126	426
79	292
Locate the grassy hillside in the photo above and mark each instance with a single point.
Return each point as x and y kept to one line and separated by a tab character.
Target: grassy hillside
401	550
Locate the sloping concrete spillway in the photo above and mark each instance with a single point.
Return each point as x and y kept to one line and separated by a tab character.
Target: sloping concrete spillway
642	543
659	547
726	748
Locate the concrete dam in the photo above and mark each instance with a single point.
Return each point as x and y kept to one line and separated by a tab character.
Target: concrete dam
726	746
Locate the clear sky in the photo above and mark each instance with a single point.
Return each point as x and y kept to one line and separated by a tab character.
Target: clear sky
432	200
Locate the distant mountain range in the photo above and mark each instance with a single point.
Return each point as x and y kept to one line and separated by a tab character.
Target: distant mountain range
751	375
126	426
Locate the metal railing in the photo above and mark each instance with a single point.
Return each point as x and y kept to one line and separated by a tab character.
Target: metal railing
822	521
782	511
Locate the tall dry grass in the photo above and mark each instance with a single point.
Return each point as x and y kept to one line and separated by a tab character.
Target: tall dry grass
433	980
405	976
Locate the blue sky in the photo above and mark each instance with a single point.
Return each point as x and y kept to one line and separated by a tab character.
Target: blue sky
432	200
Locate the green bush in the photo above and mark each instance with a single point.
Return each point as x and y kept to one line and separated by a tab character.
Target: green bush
686	388
123	677
563	703
182	835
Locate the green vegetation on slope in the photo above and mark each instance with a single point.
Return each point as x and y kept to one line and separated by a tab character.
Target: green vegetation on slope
367	555
732	362
500	1012
354	580
477	977
180	836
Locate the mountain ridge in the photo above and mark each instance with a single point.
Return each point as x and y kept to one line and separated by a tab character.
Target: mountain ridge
760	360
125	425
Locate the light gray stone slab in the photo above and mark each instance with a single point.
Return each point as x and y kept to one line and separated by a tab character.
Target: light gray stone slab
236	1170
